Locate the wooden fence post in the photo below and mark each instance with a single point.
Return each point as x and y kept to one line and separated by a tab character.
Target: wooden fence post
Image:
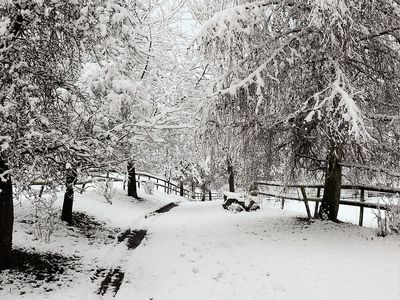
317	203
41	191
362	199
303	191
84	184
209	195
157	184
138	181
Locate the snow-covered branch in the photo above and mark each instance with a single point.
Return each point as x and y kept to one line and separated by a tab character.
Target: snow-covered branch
337	103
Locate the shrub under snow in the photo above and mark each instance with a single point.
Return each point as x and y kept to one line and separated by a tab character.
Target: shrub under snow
389	221
149	187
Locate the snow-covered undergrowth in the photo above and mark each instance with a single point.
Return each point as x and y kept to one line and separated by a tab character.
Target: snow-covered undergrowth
91	243
198	250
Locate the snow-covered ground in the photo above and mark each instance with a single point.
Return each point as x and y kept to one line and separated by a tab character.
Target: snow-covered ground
200	251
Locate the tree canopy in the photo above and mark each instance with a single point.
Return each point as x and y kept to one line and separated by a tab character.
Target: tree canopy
305	82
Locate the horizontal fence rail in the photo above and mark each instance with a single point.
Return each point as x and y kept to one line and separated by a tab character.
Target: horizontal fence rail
359	194
372	188
160	182
343	202
168	186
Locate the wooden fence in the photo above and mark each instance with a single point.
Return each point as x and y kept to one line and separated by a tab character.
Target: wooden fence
167	186
170	187
358	196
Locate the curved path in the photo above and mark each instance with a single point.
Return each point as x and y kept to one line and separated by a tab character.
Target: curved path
200	251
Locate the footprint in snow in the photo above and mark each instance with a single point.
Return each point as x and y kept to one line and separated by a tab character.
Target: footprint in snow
218	276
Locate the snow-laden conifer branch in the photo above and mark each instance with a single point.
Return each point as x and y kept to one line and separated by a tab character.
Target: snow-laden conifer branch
387	171
240	18
256	76
337	101
226	27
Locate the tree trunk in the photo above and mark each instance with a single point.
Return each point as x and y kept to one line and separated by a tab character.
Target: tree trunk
193	191
333	180
6	215
66	214
132	190
231	179
181	189
203	192
209	195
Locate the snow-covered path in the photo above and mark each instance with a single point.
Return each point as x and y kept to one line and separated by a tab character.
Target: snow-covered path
200	251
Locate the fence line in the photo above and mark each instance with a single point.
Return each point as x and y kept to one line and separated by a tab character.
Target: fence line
372	188
168	186
343	201
172	187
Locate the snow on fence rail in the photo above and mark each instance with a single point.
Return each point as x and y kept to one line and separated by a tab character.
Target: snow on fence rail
170	187
141	177
360	190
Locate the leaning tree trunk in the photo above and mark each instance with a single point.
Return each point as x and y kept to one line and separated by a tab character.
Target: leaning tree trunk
132	190
333	181
6	215
71	176
231	179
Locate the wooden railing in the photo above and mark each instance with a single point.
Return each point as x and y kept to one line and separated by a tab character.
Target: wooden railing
170	187
159	182
359	195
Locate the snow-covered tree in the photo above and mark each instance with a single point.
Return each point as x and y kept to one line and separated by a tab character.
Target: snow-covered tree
168	82
305	82
49	124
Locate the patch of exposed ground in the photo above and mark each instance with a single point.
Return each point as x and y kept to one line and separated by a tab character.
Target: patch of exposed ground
92	229
163	209
133	237
112	280
30	270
